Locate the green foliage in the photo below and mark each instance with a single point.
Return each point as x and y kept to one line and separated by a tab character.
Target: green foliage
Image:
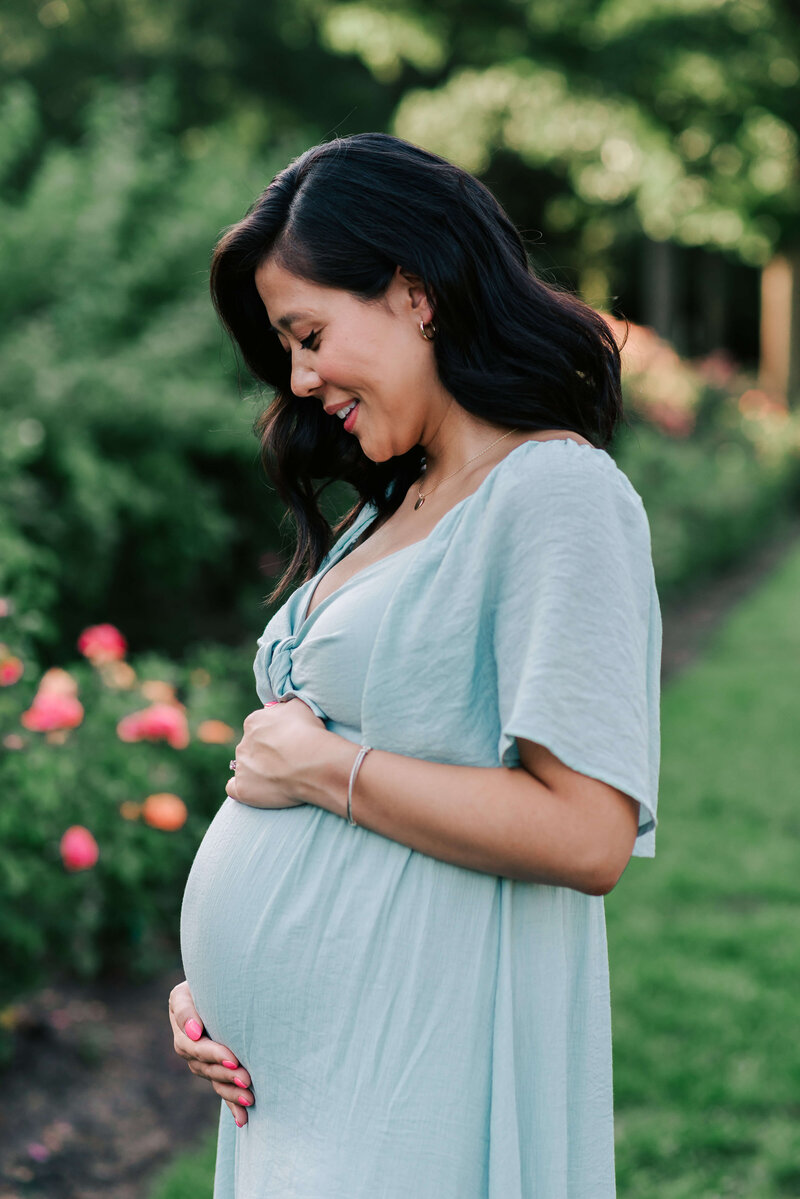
598	122
709	500
674	120
715	460
123	913
261	67
128	479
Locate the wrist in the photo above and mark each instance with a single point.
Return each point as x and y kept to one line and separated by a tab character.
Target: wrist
326	772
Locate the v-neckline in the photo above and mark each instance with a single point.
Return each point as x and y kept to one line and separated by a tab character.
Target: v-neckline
306	616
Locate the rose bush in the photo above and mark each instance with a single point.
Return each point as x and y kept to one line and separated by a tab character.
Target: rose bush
97	833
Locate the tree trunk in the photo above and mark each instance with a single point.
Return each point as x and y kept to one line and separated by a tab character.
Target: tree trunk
779	365
658	287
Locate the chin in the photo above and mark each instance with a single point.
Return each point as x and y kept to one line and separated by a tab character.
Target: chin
376	454
386	451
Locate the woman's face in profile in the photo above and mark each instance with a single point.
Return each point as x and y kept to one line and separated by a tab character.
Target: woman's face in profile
345	349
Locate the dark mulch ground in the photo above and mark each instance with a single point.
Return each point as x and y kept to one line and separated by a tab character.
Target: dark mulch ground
95	1100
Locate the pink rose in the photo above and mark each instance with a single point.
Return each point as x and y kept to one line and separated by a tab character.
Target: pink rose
79	850
102	643
11	670
56	681
159	722
51	710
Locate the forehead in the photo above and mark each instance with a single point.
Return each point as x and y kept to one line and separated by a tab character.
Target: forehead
287	297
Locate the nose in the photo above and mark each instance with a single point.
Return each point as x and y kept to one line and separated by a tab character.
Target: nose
304	380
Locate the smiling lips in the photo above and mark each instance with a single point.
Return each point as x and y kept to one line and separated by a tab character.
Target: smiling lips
345	411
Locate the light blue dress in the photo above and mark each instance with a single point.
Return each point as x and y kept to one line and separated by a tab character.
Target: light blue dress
416	1030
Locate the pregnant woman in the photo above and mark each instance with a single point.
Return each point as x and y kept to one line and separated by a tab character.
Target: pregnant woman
393	932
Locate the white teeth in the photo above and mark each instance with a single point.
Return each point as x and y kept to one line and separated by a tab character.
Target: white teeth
343	412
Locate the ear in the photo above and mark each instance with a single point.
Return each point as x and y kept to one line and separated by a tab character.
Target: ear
415	295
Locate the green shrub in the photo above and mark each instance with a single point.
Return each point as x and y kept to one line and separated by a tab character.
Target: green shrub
709	500
715	459
128	476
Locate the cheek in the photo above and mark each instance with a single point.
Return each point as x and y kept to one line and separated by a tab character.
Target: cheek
339	366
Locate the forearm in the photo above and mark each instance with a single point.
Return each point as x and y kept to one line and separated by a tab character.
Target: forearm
495	820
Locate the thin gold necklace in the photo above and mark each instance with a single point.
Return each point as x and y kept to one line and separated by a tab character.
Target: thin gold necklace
422	497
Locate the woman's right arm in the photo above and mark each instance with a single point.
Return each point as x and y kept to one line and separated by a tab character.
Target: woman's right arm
207	1058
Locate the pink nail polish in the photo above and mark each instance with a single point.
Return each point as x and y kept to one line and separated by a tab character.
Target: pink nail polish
193	1029
241	1084
230	1065
239	1123
244	1101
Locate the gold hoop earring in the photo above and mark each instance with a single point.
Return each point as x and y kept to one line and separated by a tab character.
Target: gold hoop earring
429	336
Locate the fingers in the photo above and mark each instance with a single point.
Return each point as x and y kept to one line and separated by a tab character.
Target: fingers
206	1058
182	1013
187	1030
234	1086
238	1113
238	1099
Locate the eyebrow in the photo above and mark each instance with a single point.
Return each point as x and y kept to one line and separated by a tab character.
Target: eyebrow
286	322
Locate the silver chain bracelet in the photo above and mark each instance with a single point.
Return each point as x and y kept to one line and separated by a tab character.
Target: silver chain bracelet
361	755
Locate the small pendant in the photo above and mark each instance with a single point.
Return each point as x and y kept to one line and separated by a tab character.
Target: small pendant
419	502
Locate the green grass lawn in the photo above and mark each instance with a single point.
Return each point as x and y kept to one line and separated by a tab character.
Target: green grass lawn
705	939
190	1176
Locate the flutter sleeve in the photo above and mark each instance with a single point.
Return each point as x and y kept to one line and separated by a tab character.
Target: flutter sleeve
577	625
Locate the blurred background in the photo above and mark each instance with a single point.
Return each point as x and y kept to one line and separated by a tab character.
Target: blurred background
649	153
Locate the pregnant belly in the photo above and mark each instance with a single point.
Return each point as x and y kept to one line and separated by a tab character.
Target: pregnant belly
281	910
241	917
305	940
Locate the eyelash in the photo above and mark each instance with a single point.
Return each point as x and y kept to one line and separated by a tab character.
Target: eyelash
307	342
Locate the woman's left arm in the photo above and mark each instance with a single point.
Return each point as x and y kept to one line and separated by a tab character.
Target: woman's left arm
541	822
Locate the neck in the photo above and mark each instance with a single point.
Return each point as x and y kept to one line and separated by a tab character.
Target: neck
458	438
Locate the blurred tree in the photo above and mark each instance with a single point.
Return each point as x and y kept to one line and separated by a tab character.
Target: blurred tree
259	67
623	128
677	119
128	482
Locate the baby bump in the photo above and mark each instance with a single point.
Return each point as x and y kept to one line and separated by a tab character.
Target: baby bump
300	933
238	896
275	905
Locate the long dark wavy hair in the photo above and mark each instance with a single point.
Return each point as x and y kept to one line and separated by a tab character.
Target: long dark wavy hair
511	348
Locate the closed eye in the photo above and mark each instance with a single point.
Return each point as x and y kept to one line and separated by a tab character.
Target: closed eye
308	342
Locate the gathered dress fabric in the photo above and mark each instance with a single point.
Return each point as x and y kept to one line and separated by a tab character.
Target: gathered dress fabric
415	1029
